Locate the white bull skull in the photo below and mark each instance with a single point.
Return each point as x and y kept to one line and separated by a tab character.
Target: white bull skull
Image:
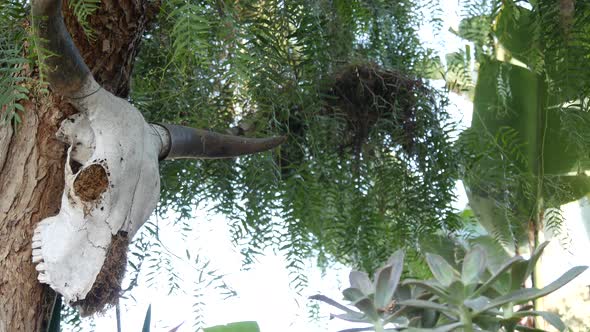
112	179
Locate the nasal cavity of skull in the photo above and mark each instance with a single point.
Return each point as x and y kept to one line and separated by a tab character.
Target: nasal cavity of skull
91	182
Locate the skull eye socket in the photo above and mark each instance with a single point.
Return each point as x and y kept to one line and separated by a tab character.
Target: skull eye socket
91	182
75	166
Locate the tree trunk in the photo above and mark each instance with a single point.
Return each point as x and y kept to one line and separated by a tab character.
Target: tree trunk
31	159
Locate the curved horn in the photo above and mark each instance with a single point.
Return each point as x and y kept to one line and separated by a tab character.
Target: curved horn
184	142
64	67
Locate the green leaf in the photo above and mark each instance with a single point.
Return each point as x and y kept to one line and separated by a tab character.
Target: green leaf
356	318
429	305
550	317
367	306
458	292
477	303
443	246
403	292
496	254
488	322
514	29
507	265
387	278
473	265
235	327
82	9
524	295
353	294
442	271
431	286
444	328
429	318
55	318
518	274
360	280
333	303
147	320
520	123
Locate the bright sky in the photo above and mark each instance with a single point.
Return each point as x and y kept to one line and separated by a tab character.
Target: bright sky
263	292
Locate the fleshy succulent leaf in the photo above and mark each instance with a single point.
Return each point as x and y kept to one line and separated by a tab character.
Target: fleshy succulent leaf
387	279
396	315
359	329
499	272
403	292
353	294
441	269
444	246
429	318
488	322
477	303
550	317
524	295
444	328
430	285
518	274
474	265
429	305
360	280
367	306
355	318
457	292
333	303
496	254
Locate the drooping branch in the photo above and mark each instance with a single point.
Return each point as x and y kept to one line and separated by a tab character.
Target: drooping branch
64	67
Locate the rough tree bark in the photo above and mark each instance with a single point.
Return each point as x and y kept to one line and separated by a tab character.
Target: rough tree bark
31	159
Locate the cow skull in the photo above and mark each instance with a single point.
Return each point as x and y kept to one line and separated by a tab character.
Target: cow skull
112	179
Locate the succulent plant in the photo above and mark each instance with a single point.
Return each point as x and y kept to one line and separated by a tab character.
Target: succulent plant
479	288
377	301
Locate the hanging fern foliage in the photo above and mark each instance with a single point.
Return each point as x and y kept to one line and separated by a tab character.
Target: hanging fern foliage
82	9
14	79
368	165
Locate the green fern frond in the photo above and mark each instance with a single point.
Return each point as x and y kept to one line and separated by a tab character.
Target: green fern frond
554	221
190	33
14	81
82	10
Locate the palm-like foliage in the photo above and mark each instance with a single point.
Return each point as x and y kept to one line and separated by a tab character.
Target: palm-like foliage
526	151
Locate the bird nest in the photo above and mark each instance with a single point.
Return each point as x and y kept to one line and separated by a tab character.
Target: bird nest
367	96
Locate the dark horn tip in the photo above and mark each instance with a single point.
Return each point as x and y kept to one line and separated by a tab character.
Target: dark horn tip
185	142
280	139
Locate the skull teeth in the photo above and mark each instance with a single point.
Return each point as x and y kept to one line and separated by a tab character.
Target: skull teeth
37	236
40	267
37	252
44	278
36	244
37	258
